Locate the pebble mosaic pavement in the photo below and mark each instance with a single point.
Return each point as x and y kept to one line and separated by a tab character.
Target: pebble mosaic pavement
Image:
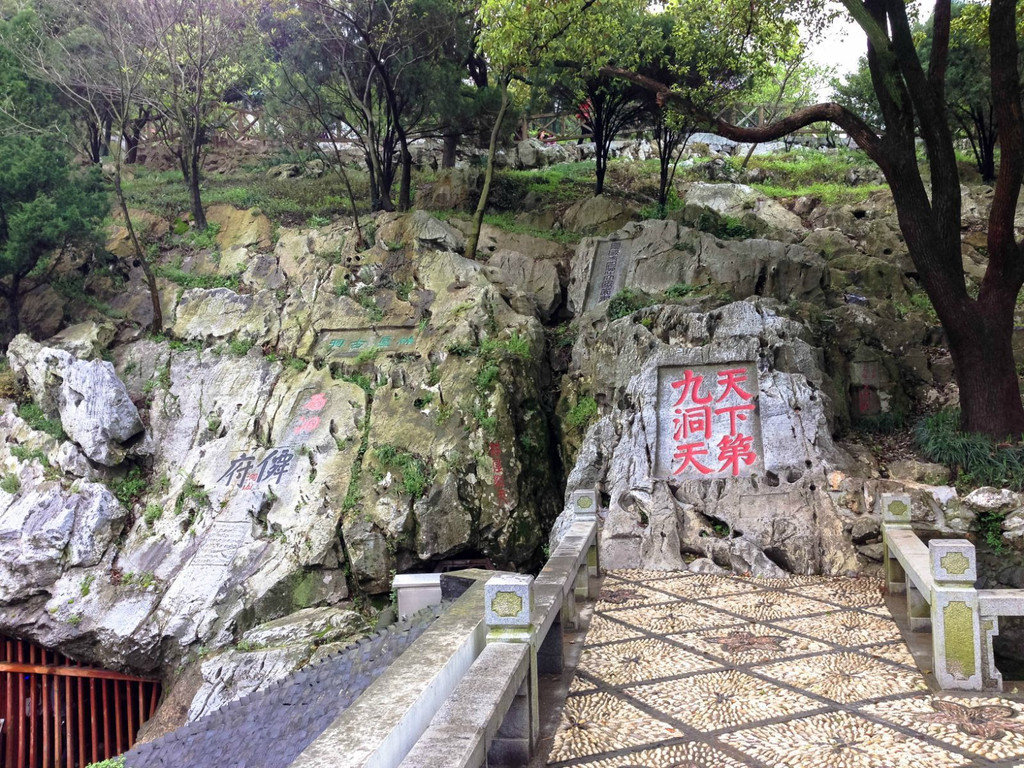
698	671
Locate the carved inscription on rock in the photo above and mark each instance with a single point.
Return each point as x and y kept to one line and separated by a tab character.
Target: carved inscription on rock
607	276
708	423
221	543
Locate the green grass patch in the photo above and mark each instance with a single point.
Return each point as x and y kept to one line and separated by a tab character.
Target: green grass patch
33	416
412	471
975	461
192	280
837	193
10	484
130	487
582	414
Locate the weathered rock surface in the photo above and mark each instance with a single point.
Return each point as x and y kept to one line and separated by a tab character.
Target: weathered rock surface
599	215
664	254
342	415
94	407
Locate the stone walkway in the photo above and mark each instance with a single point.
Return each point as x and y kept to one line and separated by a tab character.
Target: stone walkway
693	671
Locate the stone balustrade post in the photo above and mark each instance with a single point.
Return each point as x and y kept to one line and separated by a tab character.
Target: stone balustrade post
509	613
895	515
584	504
956	626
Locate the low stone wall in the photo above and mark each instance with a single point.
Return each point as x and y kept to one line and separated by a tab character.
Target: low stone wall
272	727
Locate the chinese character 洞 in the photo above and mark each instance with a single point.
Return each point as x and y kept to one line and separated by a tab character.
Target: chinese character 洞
731	380
316	402
687	454
385	341
733	449
689	387
306	425
693	421
736	413
338	343
241	467
276	464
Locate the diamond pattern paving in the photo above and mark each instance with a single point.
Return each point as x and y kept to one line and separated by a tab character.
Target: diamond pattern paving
698	671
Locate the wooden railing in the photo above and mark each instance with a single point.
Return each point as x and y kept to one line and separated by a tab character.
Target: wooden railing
57	713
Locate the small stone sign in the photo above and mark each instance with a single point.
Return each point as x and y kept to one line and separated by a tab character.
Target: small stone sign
607	274
353	343
865	381
708	424
221	543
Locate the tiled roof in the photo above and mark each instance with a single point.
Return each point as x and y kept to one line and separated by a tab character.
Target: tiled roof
270	728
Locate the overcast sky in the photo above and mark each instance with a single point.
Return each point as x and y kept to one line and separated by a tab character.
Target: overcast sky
840	46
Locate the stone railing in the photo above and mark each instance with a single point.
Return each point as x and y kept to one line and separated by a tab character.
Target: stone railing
938	580
465	693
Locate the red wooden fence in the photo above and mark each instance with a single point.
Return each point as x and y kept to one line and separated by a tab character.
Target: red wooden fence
57	713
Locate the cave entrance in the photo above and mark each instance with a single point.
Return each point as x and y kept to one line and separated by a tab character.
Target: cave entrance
57	713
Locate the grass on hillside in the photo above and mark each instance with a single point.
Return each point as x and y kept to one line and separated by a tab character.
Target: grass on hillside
799	172
285	201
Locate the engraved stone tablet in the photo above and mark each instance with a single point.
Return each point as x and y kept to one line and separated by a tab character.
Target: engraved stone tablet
607	275
708	422
221	543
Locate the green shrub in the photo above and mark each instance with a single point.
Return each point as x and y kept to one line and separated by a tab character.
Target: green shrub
723	226
975	461
487	376
581	414
130	487
626	302
413	472
10	484
515	345
10	385
21	453
193	280
153	513
240	346
679	291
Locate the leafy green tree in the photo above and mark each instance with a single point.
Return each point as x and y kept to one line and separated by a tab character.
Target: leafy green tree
518	39
47	207
912	100
969	98
856	92
200	50
94	59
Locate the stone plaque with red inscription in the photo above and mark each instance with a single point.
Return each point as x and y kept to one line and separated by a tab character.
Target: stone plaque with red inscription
708	422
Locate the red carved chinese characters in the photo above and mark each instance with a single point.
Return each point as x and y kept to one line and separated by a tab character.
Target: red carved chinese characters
499	472
712	430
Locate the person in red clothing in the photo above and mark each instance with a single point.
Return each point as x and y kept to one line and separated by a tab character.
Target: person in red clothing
583	114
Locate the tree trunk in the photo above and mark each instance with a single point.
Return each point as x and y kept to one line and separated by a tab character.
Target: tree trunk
986	373
405	181
94	144
601	150
451	148
195	196
478	217
154	294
